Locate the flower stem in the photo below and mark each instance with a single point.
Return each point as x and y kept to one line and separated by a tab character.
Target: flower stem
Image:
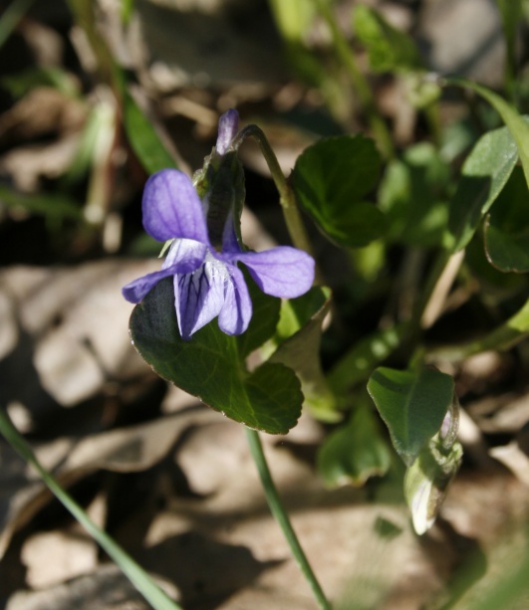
281	516
157	598
287	197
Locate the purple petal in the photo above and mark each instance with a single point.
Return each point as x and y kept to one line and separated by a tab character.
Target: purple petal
228	126
236	312
171	208
136	290
281	272
184	256
199	296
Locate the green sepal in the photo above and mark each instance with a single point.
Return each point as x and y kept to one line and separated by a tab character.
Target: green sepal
220	183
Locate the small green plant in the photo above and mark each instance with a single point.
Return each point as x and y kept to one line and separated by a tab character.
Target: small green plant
214	302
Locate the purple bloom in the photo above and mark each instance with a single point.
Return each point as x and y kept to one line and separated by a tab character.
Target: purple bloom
208	283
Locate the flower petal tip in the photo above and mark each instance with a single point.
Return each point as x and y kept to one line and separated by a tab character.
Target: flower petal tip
228	127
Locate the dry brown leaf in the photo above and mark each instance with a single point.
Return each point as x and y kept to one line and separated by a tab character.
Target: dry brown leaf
55	556
123	450
514	459
26	165
506	413
42	111
73	328
104	589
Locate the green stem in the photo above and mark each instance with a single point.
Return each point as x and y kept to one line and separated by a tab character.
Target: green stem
510	333
135	573
362	88
281	516
287	197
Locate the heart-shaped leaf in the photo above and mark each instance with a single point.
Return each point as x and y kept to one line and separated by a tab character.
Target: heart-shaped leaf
412	405
331	179
211	366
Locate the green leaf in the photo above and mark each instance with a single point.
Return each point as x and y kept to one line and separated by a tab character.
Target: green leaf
495	286
357	363
211	367
293	18
144	140
413	196
389	49
506	251
484	174
11	17
296	313
127	10
517	125
299	348
20	83
507	227
412	405
331	179
355	452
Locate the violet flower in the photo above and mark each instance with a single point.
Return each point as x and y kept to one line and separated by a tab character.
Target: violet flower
207	282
